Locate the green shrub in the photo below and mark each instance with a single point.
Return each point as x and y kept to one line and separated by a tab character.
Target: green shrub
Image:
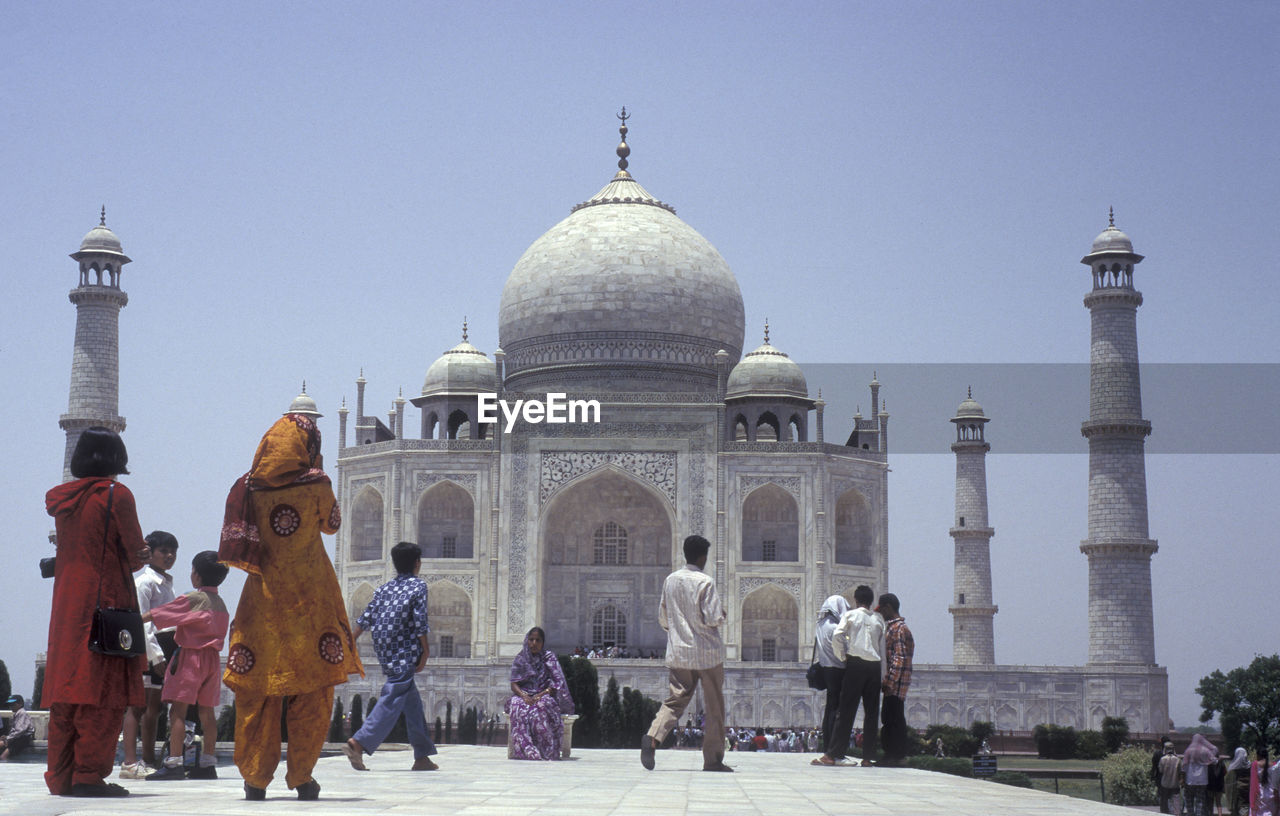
1055	741
1115	731
948	765
956	741
1127	777
1091	745
982	729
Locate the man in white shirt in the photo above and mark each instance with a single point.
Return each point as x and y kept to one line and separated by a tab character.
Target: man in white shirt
859	641
691	613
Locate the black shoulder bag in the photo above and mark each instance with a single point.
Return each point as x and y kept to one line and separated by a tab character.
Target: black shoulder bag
816	677
115	632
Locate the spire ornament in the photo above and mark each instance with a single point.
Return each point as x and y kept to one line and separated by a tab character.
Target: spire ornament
464	328
1111	217
623	149
766	331
102	222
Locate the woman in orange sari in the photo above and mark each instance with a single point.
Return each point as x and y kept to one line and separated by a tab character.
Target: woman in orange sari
290	637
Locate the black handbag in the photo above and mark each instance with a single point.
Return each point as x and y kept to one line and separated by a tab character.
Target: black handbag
115	632
815	676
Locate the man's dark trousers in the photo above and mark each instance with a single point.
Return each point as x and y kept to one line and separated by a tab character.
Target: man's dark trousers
861	683
894	735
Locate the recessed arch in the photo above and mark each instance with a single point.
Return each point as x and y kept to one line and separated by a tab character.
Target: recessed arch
366	526
446	521
854	529
449	611
770	525
768	429
770	621
573	587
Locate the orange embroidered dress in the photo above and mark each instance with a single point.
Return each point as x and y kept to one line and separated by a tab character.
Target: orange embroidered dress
290	636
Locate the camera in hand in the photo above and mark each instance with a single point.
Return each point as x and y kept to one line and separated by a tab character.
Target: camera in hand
47	566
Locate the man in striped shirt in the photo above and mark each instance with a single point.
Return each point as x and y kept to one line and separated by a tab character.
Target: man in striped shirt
691	613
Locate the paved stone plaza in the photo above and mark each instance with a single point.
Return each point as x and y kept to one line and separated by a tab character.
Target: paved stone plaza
474	781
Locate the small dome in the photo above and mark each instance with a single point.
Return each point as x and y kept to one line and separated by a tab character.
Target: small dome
766	372
463	369
969	409
100	239
304	404
1112	239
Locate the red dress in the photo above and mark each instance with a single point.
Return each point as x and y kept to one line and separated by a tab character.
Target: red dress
73	674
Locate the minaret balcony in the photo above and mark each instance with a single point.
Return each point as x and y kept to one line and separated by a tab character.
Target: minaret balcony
972	532
1131	428
1113	296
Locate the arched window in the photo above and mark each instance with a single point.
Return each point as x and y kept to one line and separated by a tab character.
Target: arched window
610	544
446	522
853	529
768	429
770	525
366	526
608	627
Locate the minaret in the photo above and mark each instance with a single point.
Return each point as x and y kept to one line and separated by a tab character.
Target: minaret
1118	547
95	361
972	611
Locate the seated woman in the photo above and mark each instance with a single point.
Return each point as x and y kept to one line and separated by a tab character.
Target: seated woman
539	696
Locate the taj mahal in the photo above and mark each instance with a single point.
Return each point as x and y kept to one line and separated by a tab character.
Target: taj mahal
573	525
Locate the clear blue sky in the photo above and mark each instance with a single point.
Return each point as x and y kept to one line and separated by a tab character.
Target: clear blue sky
308	189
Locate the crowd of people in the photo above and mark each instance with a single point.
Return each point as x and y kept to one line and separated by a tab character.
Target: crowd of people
291	643
1199	781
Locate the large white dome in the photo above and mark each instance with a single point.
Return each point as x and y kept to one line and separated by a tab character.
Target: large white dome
621	295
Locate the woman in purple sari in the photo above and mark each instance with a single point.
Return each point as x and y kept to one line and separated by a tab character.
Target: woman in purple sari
539	696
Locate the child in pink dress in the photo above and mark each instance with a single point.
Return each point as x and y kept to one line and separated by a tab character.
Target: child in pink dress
195	675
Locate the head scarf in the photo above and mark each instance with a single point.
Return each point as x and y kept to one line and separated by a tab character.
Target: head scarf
835	607
1200	751
1240	761
288	455
535	672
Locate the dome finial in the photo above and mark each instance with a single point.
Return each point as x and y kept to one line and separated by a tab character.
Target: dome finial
102	222
971	392
766	331
1111	217
304	386
464	328
623	149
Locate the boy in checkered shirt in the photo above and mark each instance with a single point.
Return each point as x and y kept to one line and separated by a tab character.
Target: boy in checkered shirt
396	618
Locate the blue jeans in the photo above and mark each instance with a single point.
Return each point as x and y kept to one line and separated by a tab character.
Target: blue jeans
399	696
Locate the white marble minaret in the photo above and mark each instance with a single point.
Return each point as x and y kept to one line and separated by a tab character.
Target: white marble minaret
972	610
1118	546
95	362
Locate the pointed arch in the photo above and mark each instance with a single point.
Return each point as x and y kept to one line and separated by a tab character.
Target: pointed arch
366	526
770	621
449	611
573	588
459	425
768	429
446	521
854	529
770	525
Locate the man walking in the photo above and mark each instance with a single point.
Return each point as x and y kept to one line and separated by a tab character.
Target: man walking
859	641
899	648
691	613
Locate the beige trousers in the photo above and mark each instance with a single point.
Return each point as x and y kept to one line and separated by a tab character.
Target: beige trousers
683	684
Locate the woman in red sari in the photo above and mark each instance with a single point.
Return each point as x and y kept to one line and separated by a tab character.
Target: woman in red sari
97	553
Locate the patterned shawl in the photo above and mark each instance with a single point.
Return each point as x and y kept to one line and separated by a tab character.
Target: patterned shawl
288	455
535	672
1200	751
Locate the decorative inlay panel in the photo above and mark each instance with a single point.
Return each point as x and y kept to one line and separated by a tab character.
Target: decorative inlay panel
791	484
658	468
748	585
422	480
467	582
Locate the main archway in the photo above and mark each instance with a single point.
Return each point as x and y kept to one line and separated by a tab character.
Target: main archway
606	549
